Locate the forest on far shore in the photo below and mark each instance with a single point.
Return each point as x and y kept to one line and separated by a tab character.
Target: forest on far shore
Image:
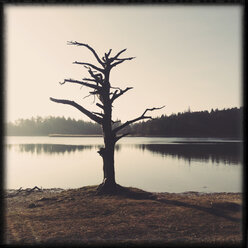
226	123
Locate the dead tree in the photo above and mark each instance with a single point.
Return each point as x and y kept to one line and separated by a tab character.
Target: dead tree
99	84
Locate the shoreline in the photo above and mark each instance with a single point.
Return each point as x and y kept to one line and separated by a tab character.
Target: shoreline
12	191
74	135
130	136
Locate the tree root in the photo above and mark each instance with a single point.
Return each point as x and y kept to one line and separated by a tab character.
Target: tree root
107	188
116	189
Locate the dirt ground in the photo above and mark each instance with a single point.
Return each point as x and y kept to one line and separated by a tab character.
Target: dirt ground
79	216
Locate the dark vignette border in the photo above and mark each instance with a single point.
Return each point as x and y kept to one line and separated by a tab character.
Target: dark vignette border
2	124
120	2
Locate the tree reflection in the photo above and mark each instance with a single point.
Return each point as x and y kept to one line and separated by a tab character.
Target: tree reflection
227	153
53	148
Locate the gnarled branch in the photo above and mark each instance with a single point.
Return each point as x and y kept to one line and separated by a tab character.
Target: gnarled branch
136	119
152	109
88	64
109	52
118	54
115	121
90	79
121	61
100	105
116	95
130	58
97	113
87	46
98	78
93	86
80	108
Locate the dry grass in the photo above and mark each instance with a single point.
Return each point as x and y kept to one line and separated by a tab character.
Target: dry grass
80	216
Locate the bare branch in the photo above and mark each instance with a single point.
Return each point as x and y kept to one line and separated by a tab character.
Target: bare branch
118	88
109	52
121	61
117	121
97	76
121	136
88	68
88	95
152	109
100	105
118	54
82	83
89	47
88	64
106	58
95	92
130	58
97	113
113	122
117	129
136	119
80	108
116	95
93	80
90	79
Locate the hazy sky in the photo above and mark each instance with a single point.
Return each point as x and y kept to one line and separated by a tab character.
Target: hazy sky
186	56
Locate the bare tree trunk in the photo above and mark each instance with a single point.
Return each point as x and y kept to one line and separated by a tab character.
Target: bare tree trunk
108	184
107	154
108	166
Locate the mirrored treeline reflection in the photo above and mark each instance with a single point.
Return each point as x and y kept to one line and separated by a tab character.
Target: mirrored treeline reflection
226	152
50	148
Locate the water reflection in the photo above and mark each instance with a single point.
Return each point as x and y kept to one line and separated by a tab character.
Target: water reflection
227	153
49	148
53	148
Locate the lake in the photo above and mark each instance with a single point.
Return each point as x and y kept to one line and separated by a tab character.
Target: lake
152	164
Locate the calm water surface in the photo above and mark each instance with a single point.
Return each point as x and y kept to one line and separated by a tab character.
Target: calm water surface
152	164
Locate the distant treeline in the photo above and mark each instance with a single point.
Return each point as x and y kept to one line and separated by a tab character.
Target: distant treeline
216	123
51	125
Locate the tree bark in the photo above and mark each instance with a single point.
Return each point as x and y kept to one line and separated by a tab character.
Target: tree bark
108	185
107	153
108	166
